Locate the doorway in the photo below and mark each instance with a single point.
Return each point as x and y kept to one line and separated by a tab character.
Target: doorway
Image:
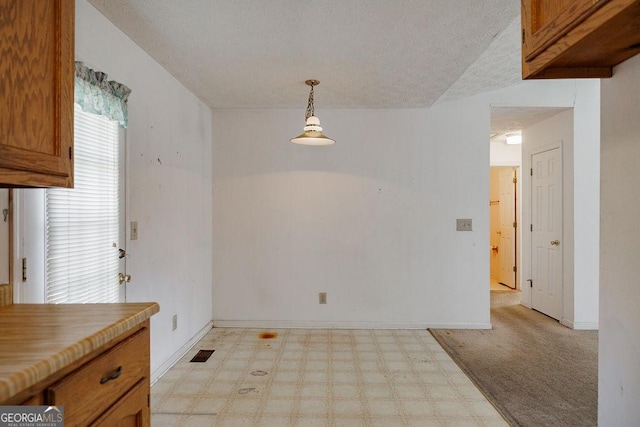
503	205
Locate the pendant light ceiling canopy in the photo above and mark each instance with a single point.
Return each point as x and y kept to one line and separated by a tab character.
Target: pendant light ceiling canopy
312	134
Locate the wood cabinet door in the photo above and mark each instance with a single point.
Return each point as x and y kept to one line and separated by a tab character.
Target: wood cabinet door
132	410
36	92
545	21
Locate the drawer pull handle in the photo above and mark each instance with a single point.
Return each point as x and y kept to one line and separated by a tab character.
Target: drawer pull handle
113	376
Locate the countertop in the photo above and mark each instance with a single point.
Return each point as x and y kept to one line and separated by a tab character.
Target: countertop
37	340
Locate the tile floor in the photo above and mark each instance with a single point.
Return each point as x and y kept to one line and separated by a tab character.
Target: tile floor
319	377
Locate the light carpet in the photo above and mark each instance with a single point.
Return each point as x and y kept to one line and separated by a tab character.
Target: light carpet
535	371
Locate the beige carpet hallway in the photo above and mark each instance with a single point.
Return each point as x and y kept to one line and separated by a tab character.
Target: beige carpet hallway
536	371
302	377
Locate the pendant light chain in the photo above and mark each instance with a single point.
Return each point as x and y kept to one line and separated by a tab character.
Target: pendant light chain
310	111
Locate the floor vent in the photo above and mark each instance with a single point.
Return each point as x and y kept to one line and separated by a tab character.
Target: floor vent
202	356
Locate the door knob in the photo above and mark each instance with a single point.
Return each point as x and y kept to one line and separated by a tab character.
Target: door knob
124	278
555	242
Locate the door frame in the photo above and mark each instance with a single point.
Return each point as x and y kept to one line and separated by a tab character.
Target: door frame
124	206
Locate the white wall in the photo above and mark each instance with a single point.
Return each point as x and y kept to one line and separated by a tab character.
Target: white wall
619	343
586	204
370	221
169	146
363	220
502	154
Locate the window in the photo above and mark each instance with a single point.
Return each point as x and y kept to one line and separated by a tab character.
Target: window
83	223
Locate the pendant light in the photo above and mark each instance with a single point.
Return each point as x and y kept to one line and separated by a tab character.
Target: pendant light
312	134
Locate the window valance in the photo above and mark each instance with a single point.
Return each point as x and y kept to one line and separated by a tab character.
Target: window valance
95	94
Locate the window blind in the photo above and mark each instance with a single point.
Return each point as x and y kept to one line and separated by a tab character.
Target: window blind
83	223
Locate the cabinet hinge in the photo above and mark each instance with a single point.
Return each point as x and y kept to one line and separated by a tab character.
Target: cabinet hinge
70	153
515	180
24	269
523	36
515	224
531	227
531	171
515	269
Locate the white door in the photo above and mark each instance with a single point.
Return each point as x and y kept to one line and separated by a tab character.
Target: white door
507	247
72	238
4	236
546	219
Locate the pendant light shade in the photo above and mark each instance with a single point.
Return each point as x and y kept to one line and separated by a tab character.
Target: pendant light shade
312	134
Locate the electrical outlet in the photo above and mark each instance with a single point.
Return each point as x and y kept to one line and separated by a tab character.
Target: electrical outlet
175	322
134	230
322	297
464	224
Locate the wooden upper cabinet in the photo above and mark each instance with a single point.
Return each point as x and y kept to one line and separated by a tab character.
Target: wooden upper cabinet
36	93
578	38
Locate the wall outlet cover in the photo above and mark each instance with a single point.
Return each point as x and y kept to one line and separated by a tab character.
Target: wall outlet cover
322	297
134	230
464	224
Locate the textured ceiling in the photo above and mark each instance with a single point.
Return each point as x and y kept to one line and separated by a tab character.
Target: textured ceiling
366	53
497	67
511	119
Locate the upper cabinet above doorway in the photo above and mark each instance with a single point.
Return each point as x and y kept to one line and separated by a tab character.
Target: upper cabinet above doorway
577	38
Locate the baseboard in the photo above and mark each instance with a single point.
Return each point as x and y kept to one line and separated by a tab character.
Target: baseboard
460	326
580	326
156	374
566	322
312	324
586	326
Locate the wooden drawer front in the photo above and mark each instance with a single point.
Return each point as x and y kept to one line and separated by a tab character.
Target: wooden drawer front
88	392
132	410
